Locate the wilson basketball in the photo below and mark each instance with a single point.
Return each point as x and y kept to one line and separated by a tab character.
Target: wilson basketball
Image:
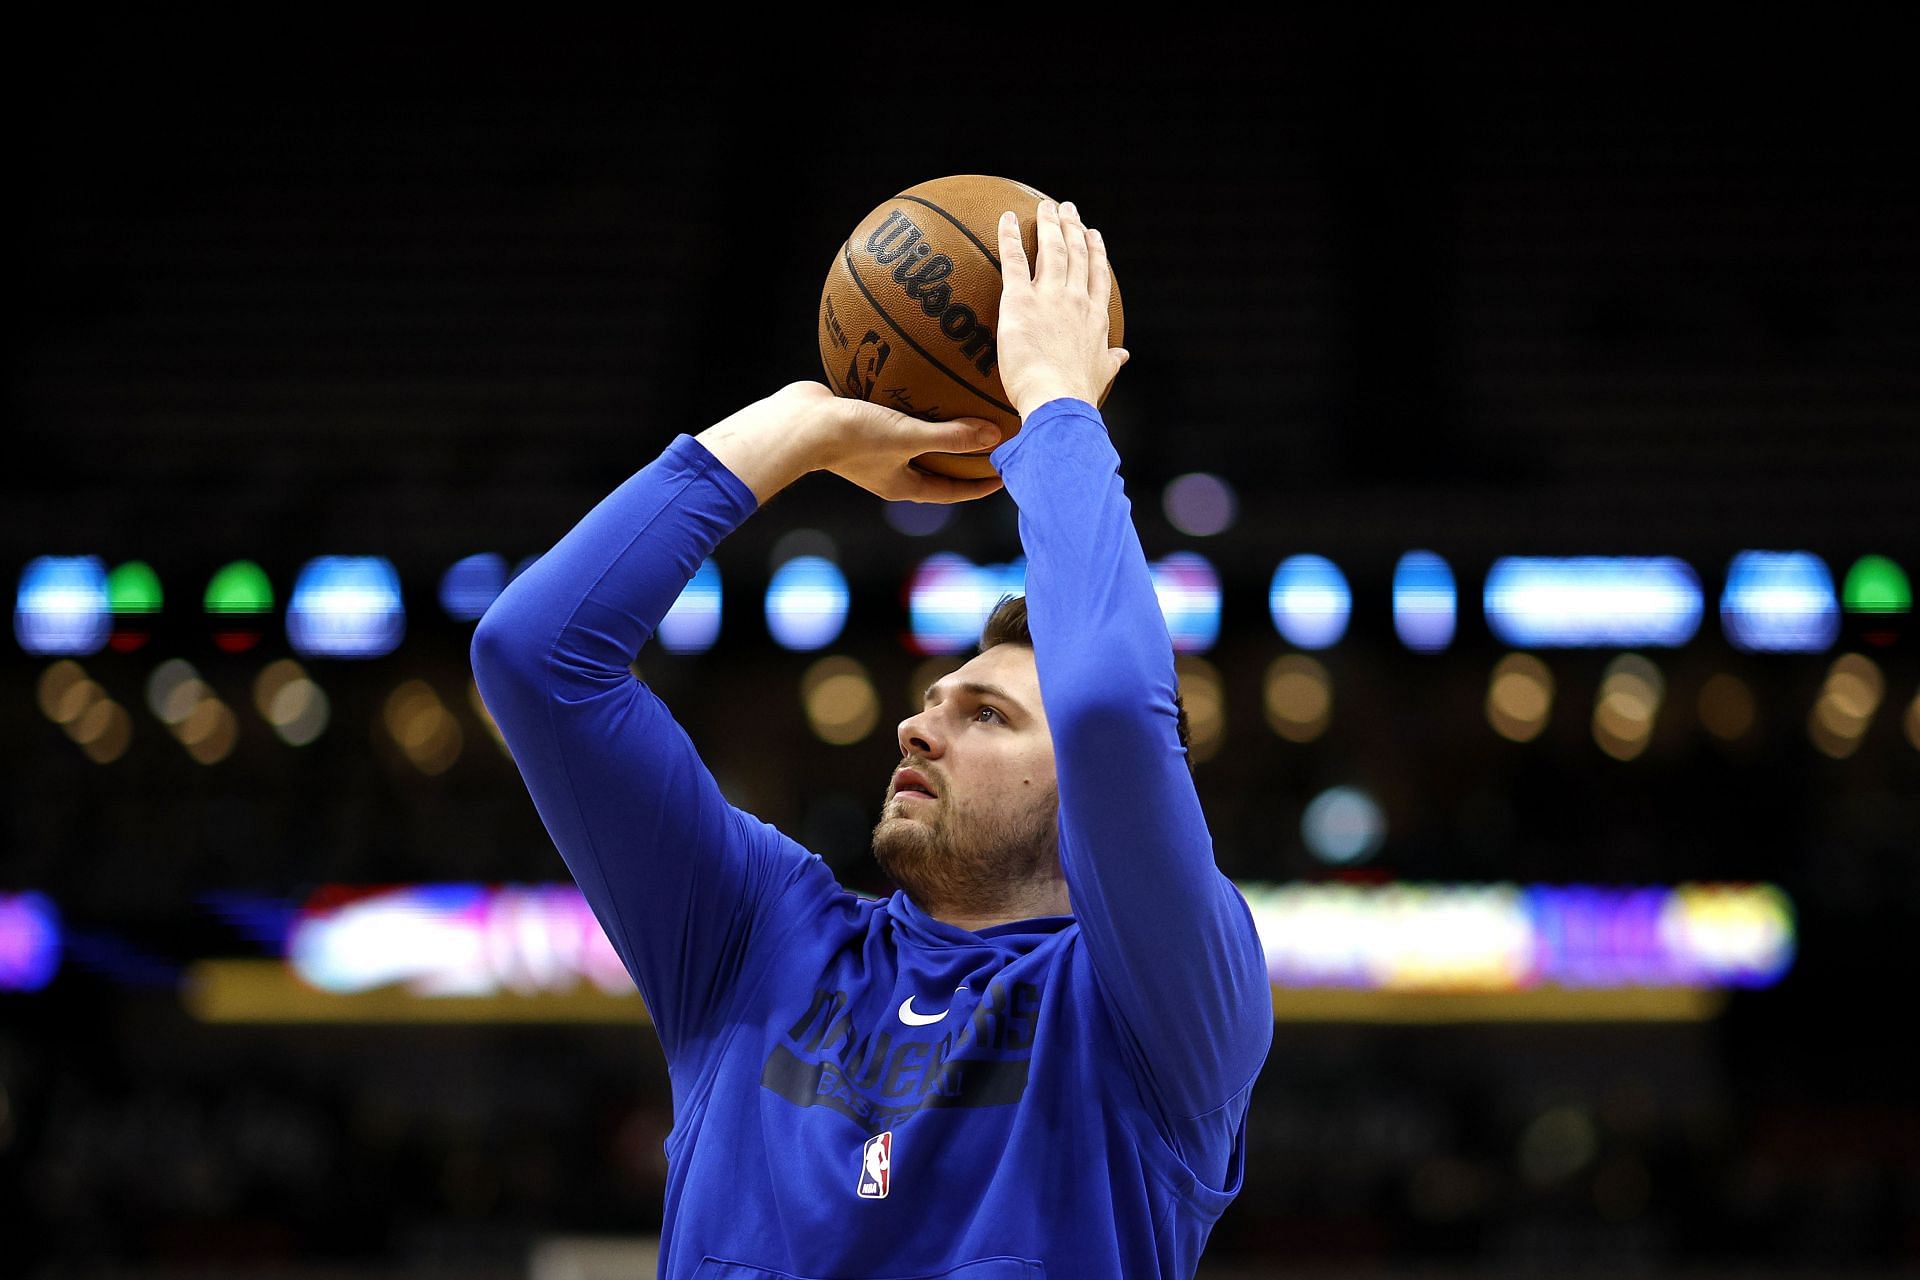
912	302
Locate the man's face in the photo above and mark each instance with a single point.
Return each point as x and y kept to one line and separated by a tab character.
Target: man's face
987	755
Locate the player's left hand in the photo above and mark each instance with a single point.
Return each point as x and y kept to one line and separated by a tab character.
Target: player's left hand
1052	338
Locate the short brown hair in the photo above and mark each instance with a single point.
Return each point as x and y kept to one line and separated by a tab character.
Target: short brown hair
1008	625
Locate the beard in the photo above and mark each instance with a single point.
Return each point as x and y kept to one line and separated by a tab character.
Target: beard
969	858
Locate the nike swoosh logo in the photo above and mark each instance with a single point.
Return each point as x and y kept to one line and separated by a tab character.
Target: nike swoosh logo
912	1019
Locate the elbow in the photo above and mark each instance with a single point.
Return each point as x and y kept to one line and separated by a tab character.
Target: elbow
503	653
492	643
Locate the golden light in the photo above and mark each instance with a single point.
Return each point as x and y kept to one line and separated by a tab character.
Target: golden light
1625	706
210	732
424	729
74	701
1835	746
173	690
273	678
412	703
1854	687
182	700
1298	695
1913	722
1519	697
298	712
114	736
1726	707
55	683
841	703
92	722
202	722
1204	694
1846	705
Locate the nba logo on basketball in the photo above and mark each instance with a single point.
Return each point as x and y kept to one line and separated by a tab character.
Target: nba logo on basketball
876	1166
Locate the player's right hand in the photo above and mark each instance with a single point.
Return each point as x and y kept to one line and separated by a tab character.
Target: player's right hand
871	445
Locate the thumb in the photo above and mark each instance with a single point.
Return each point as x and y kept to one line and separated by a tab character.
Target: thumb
956	435
970	434
889	428
886	430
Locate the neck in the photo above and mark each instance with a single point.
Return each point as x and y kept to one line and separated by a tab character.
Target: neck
1024	901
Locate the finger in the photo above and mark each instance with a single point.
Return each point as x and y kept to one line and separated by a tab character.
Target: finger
1015	272
1099	271
1052	267
927	487
962	435
882	429
1074	232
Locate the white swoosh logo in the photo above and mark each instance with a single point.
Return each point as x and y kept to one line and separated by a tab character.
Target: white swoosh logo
912	1019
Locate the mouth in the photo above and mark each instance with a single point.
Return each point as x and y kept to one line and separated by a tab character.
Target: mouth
911	782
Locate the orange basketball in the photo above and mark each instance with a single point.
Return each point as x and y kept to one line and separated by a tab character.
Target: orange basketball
912	301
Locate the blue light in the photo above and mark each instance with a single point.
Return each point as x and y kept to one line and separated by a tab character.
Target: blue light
346	607
949	599
918	519
1189	593
1614	602
1424	602
1310	601
1779	602
62	606
1343	825
1199	503
29	941
693	623
470	585
115	957
806	603
263	920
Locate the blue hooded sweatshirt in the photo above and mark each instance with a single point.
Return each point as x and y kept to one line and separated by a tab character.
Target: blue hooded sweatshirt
860	1090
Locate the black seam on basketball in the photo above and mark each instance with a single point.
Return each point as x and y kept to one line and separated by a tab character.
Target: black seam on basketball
846	254
959	226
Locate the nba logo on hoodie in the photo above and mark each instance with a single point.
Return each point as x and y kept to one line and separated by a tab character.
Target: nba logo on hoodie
876	1167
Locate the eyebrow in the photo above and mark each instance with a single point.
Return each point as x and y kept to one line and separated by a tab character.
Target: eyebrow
979	690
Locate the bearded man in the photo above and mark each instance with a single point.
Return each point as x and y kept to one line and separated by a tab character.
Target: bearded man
1034	1058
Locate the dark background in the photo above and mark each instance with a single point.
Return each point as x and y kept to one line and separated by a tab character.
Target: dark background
421	290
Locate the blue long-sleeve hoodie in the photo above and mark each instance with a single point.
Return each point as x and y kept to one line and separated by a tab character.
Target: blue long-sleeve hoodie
1080	1108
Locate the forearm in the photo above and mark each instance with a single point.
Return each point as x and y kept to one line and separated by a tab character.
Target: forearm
679	879
1086	571
1169	936
587	606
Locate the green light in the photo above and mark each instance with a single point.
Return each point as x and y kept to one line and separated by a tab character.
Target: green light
1876	584
133	588
241	587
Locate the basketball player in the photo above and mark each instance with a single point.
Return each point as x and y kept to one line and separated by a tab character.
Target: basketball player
1034	1058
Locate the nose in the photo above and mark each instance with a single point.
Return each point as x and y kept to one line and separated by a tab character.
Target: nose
919	735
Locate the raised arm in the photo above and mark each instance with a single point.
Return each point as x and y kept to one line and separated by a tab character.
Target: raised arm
684	883
680	880
1172	942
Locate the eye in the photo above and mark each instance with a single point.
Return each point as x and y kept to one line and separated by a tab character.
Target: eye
991	711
